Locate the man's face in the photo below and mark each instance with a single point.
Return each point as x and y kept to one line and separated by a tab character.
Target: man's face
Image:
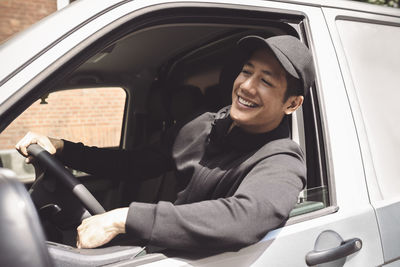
258	92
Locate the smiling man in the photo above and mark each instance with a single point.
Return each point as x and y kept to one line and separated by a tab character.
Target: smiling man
242	172
258	95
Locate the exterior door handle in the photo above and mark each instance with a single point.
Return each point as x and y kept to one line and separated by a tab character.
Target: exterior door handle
346	248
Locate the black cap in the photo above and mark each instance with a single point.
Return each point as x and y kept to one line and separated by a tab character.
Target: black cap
293	55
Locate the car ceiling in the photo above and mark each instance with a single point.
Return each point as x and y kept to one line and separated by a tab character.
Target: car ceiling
148	49
142	53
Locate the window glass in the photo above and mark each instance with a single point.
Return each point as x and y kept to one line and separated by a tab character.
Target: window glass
305	131
373	56
92	116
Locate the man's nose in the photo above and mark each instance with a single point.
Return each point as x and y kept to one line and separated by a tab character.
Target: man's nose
249	85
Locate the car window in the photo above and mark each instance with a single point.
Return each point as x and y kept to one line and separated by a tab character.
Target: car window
92	116
306	130
202	81
374	60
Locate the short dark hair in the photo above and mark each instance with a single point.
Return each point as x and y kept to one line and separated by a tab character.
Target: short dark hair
294	87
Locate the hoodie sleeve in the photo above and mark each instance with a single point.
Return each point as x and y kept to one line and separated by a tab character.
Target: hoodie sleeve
261	203
141	163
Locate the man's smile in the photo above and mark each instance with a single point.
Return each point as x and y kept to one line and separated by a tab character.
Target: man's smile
247	103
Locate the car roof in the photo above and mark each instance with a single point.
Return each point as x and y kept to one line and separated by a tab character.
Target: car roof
39	37
26	46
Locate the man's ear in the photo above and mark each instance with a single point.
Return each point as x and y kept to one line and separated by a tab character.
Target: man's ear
293	103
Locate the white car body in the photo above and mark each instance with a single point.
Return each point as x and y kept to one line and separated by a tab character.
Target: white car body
362	205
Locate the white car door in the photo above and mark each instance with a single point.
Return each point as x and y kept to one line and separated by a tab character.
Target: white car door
367	47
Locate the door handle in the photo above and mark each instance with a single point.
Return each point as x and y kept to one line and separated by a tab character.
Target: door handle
346	248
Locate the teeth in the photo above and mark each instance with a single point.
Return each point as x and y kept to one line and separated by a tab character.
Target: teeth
246	103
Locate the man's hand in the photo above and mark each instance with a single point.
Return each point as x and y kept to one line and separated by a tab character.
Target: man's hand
100	229
50	144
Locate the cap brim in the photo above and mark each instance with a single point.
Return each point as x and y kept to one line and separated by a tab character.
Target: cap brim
253	42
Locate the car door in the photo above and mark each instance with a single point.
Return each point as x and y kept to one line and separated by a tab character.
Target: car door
346	217
355	216
369	74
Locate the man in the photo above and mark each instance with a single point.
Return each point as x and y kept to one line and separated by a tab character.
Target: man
242	172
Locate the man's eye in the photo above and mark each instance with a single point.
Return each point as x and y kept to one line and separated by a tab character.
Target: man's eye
266	82
246	72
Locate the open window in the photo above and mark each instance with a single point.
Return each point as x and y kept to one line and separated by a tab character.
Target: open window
178	63
198	76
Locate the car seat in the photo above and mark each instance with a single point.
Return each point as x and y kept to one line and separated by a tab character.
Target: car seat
220	95
185	103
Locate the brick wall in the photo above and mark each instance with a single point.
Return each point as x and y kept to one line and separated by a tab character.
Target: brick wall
16	15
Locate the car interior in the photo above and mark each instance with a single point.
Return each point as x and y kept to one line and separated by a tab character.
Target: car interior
173	65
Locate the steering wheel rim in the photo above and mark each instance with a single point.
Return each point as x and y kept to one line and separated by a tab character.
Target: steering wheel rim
54	166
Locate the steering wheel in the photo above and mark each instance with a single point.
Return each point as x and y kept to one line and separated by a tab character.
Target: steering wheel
55	167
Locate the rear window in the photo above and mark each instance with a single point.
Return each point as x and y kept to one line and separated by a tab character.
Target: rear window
373	56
